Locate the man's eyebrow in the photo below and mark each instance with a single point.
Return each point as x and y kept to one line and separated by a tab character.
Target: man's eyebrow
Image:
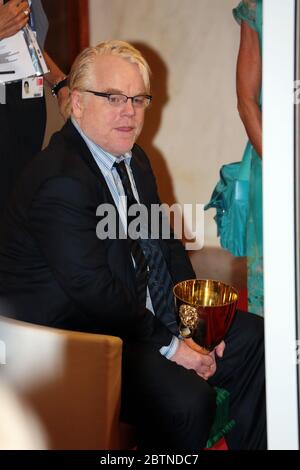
120	92
113	90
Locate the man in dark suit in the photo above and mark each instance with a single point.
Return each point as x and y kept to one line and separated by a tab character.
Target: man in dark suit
57	268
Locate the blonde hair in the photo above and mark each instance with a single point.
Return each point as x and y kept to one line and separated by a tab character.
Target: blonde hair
80	74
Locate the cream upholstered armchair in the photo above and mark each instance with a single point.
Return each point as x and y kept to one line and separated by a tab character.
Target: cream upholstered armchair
70	380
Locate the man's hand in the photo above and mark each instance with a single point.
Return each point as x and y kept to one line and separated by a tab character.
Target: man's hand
203	364
219	350
13	16
192	356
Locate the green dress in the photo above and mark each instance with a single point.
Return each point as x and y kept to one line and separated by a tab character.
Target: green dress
251	12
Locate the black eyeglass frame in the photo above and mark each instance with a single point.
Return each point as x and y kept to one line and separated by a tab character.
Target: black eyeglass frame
107	95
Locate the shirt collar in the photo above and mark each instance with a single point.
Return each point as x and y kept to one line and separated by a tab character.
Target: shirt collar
97	151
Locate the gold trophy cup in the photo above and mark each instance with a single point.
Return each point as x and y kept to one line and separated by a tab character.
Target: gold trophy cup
205	309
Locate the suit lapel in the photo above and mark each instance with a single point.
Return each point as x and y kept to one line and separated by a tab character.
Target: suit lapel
80	147
83	151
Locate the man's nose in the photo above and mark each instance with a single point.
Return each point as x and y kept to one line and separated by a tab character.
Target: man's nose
128	107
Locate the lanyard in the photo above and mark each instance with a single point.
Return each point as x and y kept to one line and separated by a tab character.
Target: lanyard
31	17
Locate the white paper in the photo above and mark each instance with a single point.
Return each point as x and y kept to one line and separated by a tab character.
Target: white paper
20	57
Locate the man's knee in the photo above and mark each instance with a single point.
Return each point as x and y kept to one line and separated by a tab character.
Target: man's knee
250	328
194	417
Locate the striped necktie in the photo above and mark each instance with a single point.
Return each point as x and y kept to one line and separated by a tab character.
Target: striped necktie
141	268
159	280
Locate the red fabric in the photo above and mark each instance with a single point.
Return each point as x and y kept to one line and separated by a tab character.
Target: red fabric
243	300
220	445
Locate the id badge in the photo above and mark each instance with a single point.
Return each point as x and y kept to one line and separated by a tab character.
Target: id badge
32	87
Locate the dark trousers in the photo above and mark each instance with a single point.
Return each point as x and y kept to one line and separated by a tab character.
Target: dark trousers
22	128
173	408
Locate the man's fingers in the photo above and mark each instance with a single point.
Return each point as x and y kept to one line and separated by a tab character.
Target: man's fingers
220	349
207	374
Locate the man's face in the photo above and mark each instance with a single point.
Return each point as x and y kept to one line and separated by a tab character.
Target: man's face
115	129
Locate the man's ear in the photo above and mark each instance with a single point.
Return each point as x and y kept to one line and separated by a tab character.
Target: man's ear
77	103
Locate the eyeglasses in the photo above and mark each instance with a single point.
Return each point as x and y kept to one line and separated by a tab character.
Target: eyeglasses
118	99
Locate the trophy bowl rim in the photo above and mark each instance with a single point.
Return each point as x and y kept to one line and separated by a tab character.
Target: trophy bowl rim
210	280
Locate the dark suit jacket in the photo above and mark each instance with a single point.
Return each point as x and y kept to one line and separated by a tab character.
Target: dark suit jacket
53	269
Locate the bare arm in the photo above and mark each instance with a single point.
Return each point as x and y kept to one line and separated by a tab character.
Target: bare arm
248	85
12	17
54	76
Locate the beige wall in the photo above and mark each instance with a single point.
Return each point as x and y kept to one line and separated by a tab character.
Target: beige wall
193	126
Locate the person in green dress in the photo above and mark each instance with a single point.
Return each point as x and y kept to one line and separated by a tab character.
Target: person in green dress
249	65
